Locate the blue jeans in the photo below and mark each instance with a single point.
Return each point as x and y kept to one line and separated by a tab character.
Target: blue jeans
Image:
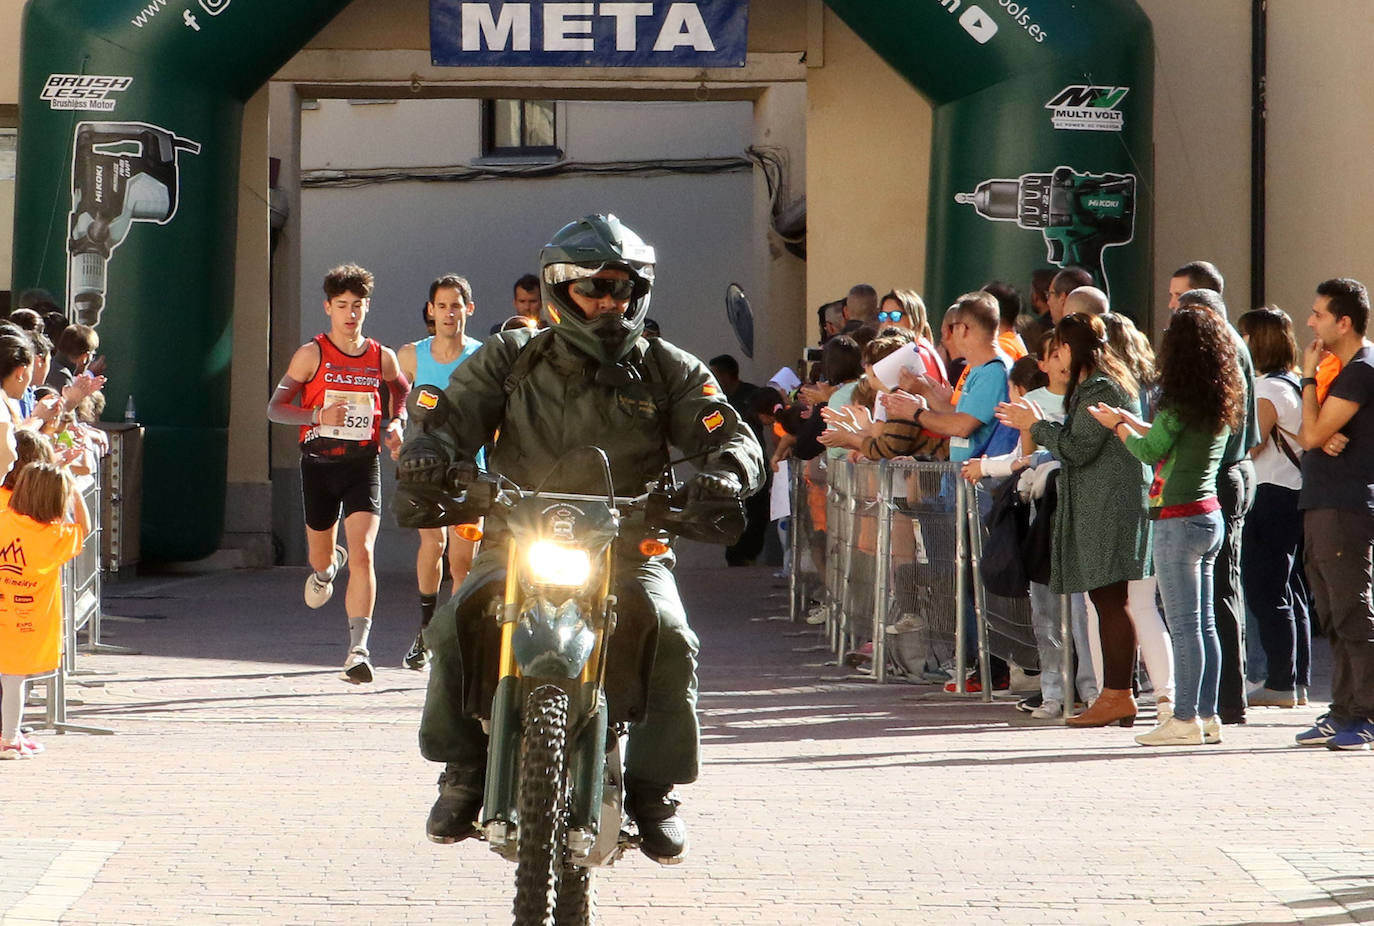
1185	552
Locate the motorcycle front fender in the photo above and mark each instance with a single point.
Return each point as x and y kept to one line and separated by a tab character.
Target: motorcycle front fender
552	641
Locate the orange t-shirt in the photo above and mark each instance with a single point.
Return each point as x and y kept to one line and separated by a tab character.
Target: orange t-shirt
1327	369
31	559
1012	345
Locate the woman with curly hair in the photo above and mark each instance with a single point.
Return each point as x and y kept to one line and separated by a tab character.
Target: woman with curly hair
1200	401
1101	533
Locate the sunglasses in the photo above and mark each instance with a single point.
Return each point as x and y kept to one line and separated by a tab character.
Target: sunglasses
600	287
894	316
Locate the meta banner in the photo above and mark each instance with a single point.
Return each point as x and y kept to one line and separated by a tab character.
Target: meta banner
704	34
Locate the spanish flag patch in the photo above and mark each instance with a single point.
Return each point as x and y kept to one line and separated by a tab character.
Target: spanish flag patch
713	421
710	389
426	399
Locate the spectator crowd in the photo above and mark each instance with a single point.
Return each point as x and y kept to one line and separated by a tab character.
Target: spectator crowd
50	382
1204	507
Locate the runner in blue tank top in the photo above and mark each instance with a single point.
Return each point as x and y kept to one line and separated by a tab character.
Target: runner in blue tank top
433	360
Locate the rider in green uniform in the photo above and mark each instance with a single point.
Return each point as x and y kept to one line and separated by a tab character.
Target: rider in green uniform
588	379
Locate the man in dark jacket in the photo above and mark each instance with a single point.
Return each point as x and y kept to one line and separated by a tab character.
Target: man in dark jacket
589	379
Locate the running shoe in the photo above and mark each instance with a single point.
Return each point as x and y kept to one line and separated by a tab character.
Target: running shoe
357	668
317	591
1320	733
1356	737
417	657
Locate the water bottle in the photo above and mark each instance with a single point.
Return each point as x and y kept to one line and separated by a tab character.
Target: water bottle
130	413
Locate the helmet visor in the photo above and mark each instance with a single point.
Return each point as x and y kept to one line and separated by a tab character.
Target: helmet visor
601	287
554	274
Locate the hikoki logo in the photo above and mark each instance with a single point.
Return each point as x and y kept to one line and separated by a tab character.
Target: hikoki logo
1088	108
83	91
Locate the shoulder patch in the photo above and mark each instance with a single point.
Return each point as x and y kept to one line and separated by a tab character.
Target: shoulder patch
710	389
713	421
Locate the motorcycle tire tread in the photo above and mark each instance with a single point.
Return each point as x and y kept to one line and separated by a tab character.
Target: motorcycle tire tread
542	790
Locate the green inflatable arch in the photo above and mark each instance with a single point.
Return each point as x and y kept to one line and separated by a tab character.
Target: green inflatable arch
127	193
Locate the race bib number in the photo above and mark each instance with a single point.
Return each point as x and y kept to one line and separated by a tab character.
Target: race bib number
358	417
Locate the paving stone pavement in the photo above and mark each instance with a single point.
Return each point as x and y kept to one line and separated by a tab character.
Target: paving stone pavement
246	784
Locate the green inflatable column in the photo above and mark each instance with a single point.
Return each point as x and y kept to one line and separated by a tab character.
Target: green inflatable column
126	204
1043	133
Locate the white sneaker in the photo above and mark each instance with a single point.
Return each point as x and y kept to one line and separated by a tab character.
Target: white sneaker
818	615
1018	680
907	623
317	593
1173	732
1211	730
1049	710
357	668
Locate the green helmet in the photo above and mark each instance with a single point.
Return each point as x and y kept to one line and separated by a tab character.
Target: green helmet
580	250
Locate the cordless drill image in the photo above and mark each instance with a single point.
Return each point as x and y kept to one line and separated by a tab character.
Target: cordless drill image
1079	214
122	173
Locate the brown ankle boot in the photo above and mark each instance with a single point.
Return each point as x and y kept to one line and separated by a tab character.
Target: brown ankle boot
1113	705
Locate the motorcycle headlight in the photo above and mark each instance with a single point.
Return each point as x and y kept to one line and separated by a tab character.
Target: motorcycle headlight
550	563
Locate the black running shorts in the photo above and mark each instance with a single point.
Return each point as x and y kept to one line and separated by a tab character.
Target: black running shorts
352	482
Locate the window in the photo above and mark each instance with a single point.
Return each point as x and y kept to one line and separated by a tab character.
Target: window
523	128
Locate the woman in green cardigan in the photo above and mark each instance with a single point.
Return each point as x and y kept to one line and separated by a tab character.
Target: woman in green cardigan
1101	531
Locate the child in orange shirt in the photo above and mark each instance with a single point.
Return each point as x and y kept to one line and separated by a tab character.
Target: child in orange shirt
31	447
35	541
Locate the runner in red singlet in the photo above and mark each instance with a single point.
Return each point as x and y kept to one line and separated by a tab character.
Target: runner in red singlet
346	383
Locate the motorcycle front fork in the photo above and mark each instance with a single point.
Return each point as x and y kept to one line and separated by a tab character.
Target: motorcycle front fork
586	772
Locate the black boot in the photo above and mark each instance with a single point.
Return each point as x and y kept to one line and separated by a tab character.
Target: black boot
662	833
454	815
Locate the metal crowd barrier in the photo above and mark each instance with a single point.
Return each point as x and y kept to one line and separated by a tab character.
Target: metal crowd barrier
80	611
899	567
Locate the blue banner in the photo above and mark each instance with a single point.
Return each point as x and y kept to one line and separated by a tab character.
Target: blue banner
704	34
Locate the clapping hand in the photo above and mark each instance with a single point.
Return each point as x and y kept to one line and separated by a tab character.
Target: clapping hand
902	406
919	384
1020	414
853	418
1107	416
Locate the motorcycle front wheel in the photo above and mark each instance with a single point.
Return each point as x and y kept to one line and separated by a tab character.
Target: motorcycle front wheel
576	898
542	805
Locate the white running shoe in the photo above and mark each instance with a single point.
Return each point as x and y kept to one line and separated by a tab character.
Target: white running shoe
1174	732
357	668
1050	709
317	593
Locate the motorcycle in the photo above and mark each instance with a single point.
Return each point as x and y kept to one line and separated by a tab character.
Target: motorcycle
554	791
